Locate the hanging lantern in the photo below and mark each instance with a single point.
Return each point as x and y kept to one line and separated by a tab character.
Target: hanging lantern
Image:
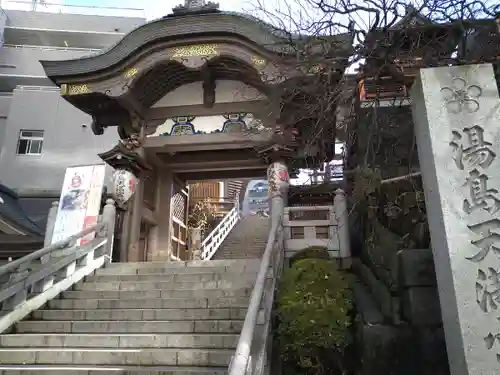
124	183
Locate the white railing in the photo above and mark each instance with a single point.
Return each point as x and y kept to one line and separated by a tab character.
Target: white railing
31	281
324	226
213	241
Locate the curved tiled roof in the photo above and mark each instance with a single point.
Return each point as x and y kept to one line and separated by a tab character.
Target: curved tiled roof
172	28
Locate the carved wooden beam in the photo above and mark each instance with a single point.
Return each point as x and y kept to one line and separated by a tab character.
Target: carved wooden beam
209	86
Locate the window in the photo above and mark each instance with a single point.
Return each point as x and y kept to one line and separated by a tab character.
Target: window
297	233
30	142
322	232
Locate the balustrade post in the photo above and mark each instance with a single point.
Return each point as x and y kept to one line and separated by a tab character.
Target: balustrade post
51	221
341	214
49	229
109	217
237	204
16	300
20	297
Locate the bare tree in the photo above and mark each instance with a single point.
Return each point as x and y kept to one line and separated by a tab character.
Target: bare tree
359	59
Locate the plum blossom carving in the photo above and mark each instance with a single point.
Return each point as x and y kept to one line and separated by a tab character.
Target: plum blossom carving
461	97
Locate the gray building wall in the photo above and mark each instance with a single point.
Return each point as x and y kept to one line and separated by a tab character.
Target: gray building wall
26	60
66	142
77	22
5	99
3	22
68	138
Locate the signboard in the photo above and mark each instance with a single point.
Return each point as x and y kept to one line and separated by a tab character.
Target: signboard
80	201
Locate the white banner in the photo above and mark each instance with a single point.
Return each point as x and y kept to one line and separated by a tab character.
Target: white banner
80	201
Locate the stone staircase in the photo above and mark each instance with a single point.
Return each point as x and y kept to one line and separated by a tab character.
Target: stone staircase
138	318
247	240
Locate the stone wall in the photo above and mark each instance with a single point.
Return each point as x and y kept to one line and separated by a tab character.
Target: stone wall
399	326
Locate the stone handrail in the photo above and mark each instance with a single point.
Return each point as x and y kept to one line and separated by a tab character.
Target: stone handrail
31	281
319	226
253	345
213	241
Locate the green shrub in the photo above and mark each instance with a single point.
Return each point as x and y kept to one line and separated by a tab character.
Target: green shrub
312	252
313	309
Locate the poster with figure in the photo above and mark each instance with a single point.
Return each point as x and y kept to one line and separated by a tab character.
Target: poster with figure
80	201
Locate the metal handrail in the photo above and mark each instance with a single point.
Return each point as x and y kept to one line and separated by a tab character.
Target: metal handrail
241	359
11	266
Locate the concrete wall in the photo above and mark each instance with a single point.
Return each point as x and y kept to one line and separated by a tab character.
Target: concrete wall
77	22
5	100
26	60
66	141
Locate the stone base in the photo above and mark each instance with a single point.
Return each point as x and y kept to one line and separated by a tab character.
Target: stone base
406	348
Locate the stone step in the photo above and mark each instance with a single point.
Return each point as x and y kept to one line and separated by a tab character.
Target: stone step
126	326
145	303
198	277
142	314
149	285
218	265
112	356
110	370
243	248
206	341
253	268
223	256
158	293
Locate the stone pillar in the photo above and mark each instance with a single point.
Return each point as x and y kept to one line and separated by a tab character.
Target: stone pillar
164	193
124	237
135	221
137	207
109	217
342	218
279	182
456	115
51	221
195	242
